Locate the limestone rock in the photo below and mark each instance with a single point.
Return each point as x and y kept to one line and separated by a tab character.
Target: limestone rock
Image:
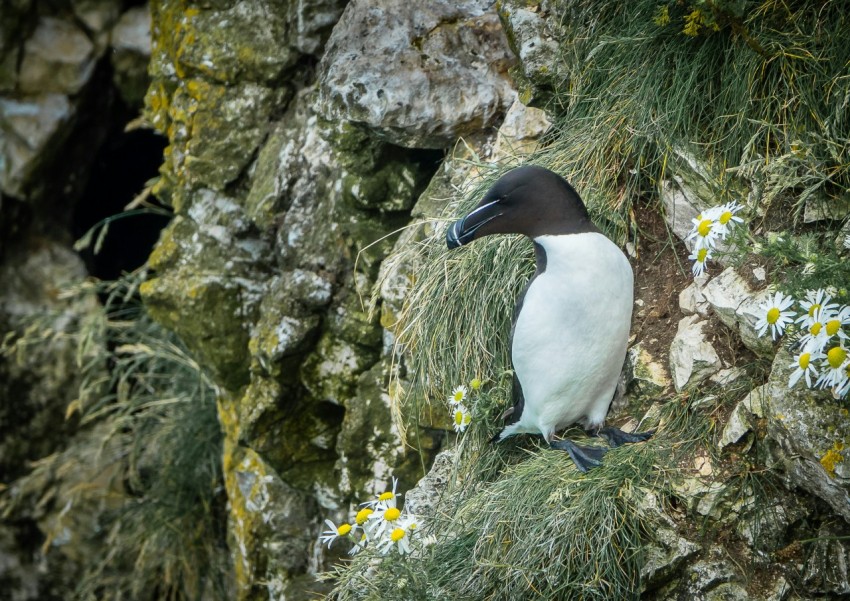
240	42
679	208
131	52
809	430
330	373
737	305
423	499
311	23
664	556
692	358
692	300
98	16
521	130
265	512
827	571
820	209
740	420
209	283
58	59
418	75
712	572
530	31
646	377
201	152
728	591
764	523
369	444
727	376
34	129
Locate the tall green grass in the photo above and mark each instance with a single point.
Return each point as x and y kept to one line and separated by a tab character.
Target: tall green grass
139	489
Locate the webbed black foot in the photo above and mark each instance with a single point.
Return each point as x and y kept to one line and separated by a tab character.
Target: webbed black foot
617	437
584	457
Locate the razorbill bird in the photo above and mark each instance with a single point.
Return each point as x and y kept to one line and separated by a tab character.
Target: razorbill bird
571	324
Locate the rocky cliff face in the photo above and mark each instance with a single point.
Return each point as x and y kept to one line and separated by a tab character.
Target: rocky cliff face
307	143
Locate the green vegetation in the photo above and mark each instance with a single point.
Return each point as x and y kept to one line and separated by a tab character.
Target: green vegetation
516	524
141	483
750	95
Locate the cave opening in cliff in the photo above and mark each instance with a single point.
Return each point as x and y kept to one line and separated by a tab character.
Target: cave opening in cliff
121	170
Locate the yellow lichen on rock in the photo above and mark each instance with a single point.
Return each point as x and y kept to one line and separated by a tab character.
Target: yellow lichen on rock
832	458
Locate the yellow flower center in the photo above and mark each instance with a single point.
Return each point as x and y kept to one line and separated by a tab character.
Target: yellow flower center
343	529
458	396
391	514
832	327
815	329
725	217
475	384
458	417
363	515
804	360
385	496
704	227
701	255
397	535
813	309
836	357
772	315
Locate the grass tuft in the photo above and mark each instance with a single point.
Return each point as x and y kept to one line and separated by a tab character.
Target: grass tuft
139	489
518	523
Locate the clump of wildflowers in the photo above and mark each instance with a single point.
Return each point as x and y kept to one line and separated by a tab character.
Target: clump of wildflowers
380	522
776	315
823	360
709	227
460	412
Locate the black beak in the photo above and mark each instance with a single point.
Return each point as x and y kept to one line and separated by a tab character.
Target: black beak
463	230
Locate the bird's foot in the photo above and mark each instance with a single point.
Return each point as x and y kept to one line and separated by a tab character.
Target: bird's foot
617	437
584	457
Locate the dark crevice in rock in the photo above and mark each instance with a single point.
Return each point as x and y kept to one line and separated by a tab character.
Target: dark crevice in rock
125	162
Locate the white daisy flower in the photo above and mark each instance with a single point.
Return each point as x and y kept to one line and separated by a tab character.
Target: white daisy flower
832	325
699	257
363	515
461	417
399	539
362	518
815	338
726	218
805	366
834	374
703	233
385	499
383	521
816	304
776	316
334	532
458	395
